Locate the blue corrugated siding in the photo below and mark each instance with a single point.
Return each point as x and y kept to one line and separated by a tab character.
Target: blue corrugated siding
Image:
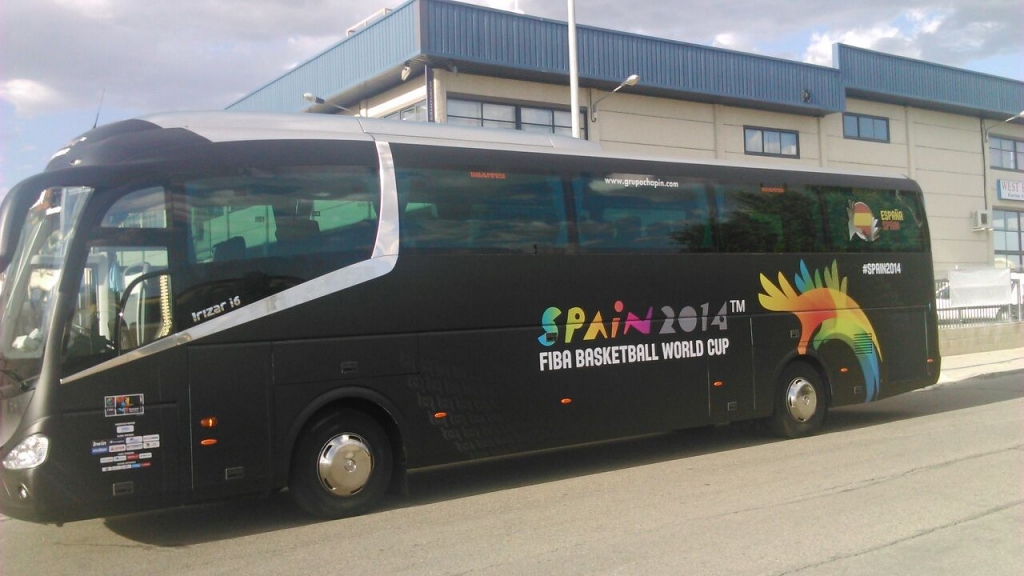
528	47
384	44
463	32
700	69
924	82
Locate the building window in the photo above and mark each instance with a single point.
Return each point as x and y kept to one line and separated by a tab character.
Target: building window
513	117
415	113
1007	227
1007	154
861	127
769	142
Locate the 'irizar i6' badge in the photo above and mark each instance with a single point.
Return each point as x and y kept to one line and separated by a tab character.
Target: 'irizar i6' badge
826	312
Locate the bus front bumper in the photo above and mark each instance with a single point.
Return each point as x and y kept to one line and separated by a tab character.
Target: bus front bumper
24	494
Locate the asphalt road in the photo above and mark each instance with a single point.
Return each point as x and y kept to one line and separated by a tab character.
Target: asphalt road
931	482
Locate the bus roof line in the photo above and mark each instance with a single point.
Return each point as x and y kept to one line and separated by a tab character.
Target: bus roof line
249	126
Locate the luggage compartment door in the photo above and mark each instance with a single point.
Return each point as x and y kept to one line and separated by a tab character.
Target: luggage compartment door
229	387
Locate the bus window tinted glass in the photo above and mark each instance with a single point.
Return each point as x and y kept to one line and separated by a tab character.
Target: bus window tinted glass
768	218
642	212
286	212
488	209
141	209
123	302
866	220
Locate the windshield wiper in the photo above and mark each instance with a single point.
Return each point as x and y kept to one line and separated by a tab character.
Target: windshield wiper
19	384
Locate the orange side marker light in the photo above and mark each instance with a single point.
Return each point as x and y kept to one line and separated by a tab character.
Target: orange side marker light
208	422
208	441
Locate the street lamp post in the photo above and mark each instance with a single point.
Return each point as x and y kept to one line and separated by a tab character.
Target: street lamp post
312	98
631	80
574	72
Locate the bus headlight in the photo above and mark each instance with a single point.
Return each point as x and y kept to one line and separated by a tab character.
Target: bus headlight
29	453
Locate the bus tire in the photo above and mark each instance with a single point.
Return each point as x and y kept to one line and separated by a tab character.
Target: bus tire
800	402
342	465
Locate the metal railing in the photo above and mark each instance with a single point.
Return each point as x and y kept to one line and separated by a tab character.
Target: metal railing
952	317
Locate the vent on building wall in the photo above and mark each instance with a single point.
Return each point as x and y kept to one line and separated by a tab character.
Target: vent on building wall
981	220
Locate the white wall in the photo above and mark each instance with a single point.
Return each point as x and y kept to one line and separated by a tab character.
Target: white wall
403	96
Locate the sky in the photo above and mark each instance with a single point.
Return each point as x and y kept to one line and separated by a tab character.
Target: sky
66	64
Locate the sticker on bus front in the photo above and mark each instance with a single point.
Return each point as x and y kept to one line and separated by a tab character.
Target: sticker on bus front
127	451
124	405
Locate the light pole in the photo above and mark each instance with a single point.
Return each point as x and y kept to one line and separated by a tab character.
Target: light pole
1017	116
629	81
310	97
574	72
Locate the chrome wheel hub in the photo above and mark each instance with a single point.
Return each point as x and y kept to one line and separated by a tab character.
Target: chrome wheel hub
801	400
345	464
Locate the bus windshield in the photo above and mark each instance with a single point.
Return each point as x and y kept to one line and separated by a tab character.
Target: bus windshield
29	288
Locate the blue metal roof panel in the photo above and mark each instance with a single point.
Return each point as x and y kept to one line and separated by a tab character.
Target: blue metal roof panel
381	46
461	32
927	84
492	42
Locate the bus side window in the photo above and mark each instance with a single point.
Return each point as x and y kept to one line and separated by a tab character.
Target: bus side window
873	220
122	303
643	213
144	208
752	218
255	233
460	210
131	245
231	249
417	218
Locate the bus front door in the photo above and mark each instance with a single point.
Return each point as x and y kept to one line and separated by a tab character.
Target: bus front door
121	444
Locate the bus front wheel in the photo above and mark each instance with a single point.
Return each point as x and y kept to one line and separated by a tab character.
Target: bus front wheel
342	465
800	402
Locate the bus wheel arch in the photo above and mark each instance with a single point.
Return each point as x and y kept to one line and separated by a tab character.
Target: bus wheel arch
344	458
801	399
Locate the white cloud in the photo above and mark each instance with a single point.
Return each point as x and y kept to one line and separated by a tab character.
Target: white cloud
305	47
92	9
733	41
953	35
820	49
926	21
30	97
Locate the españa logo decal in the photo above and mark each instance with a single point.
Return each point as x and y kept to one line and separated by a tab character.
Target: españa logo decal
826	312
862	221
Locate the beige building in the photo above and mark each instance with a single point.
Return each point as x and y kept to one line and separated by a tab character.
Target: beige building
946	128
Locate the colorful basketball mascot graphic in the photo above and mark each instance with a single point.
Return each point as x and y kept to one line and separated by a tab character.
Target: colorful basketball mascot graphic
826	312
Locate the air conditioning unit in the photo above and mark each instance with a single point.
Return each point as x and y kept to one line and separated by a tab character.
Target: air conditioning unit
981	220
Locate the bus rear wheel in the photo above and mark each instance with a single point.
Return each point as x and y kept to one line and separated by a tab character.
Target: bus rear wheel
342	465
800	402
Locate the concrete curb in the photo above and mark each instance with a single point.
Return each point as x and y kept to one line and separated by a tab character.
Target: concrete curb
963	366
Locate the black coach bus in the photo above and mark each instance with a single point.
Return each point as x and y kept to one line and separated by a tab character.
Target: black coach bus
203	306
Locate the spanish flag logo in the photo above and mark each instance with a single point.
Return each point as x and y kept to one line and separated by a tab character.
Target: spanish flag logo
862	221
